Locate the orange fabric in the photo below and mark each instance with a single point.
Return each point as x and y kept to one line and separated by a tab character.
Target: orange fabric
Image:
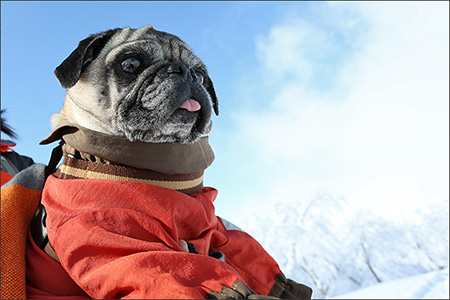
18	205
5	177
121	240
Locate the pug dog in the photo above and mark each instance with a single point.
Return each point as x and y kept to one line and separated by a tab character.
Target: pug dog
141	84
126	213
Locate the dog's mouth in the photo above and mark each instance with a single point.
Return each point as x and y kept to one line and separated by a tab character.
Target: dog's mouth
189	115
187	123
191	105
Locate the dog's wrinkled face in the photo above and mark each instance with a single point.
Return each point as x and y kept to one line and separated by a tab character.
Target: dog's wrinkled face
143	84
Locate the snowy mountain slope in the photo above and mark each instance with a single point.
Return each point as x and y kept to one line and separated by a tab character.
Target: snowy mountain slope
432	285
335	250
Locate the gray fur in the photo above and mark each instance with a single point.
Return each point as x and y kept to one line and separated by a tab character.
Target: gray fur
145	107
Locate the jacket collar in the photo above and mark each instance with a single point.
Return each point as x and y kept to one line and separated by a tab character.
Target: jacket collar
165	158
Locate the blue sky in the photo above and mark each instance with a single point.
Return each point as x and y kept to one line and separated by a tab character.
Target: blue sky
347	98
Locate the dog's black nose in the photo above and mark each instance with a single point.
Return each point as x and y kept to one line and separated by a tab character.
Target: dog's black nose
183	70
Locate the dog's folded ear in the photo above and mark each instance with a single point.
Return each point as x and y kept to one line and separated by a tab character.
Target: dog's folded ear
69	71
212	93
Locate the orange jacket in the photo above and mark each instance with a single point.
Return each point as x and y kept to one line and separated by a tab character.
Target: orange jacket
20	198
121	240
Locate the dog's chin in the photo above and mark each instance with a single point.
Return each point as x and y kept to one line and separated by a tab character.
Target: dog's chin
181	127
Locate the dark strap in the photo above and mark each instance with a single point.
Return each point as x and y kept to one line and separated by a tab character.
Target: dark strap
56	156
39	232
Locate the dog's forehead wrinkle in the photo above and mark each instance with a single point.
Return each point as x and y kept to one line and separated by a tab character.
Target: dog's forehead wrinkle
120	37
149	31
140	32
144	46
186	55
147	35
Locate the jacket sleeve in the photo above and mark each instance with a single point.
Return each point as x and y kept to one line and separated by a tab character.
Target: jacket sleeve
117	253
257	268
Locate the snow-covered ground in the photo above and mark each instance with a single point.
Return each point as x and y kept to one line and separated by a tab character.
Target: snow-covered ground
342	252
432	285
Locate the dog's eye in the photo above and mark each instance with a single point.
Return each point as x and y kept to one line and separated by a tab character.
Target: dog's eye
131	65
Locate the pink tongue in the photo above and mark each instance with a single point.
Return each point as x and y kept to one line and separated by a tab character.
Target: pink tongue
191	105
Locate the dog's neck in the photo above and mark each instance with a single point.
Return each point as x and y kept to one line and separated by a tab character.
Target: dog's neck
74	113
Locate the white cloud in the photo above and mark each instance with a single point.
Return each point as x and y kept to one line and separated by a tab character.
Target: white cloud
380	134
283	50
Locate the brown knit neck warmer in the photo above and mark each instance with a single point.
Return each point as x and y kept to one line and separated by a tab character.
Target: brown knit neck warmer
95	155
